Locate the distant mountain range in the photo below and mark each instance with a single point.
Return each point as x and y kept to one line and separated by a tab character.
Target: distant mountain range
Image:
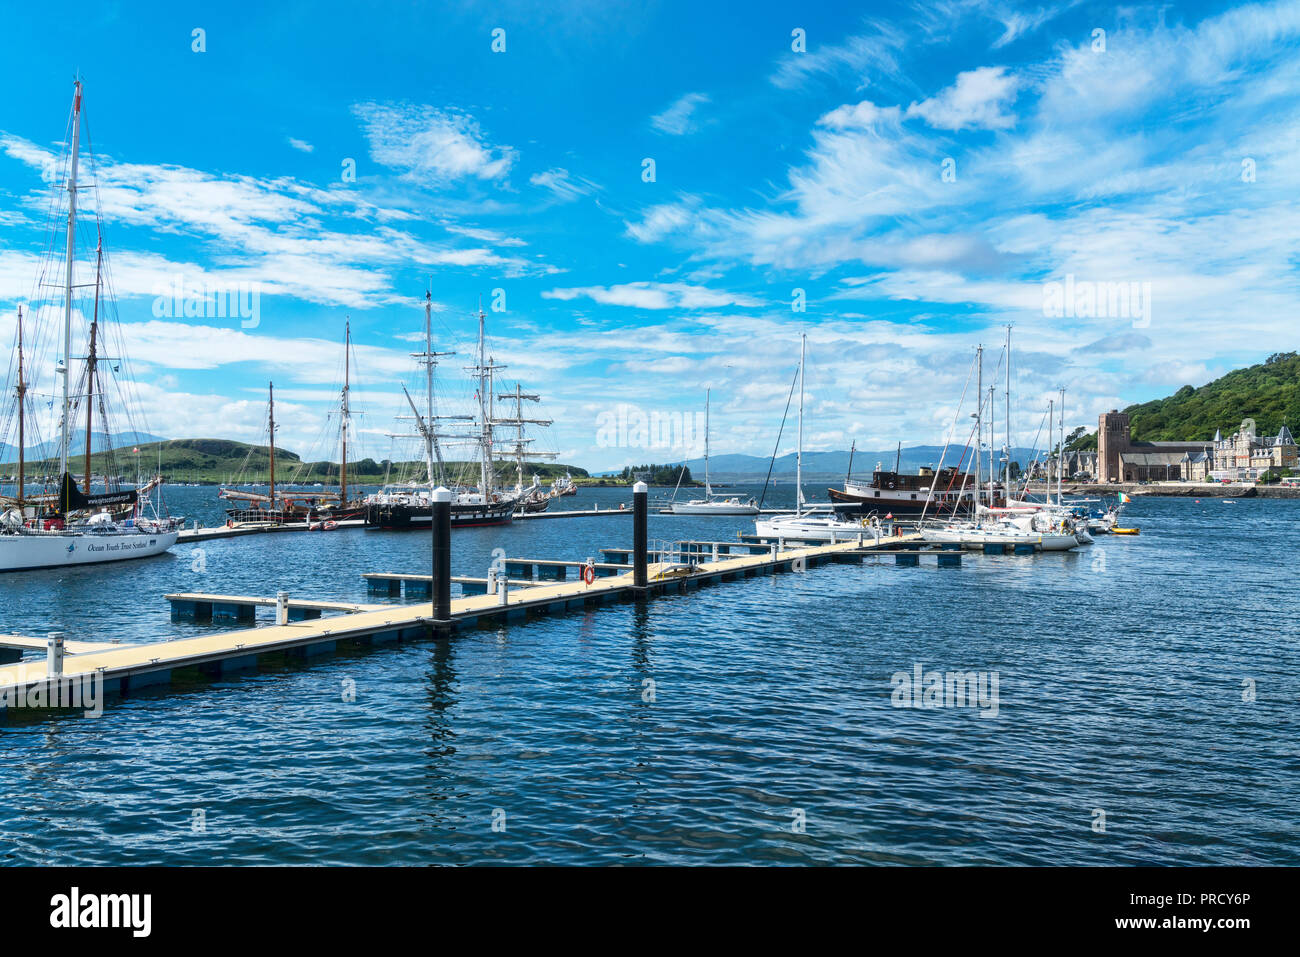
830	466
99	442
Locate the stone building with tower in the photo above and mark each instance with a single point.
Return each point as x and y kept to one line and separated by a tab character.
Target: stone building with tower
1120	459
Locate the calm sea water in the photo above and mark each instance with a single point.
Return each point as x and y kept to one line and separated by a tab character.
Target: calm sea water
771	736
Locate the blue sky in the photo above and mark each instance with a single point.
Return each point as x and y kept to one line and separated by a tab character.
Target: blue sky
923	172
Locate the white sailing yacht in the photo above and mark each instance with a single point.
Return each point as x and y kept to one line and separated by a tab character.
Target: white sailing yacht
711	504
991	524
77	527
804	524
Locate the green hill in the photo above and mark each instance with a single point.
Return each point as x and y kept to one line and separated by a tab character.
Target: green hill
1269	393
222	460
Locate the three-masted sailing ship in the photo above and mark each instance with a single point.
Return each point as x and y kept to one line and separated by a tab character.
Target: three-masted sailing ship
408	504
74	525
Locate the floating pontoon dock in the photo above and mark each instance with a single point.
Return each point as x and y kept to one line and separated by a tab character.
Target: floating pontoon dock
241	529
307	627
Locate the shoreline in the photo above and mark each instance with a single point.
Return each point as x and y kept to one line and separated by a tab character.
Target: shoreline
1182	490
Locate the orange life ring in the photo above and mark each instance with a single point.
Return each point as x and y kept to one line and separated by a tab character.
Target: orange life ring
589	573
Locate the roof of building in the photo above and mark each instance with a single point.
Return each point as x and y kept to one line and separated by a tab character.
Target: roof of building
1284	437
1158	459
1218	435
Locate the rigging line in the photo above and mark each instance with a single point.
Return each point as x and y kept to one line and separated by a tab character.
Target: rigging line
966	475
777	447
1035	448
951	428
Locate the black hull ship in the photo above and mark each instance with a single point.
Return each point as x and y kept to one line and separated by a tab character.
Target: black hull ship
407	505
399	511
902	495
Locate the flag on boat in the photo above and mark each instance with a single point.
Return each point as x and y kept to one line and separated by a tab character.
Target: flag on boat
1124	499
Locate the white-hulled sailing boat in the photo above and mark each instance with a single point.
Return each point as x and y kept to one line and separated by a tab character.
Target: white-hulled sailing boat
711	504
993	524
77	527
804	524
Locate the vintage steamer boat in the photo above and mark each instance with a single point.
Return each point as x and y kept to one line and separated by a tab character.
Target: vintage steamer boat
904	495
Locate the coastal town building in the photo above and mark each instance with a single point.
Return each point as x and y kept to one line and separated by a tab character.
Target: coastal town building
1079	466
1120	459
1242	457
1245	456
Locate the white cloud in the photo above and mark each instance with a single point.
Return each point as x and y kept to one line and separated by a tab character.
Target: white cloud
561	183
301	146
679	118
655	295
491	236
327	245
872	54
432	146
663	220
858	116
978	100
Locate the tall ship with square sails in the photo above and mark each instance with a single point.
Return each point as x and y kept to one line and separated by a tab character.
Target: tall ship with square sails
408	504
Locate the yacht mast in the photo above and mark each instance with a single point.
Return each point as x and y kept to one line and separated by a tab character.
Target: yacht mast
271	434
993	472
1006	450
22	401
798	460
92	363
708	487
71	252
432	450
485	439
344	413
519	396
1060	459
519	438
979	421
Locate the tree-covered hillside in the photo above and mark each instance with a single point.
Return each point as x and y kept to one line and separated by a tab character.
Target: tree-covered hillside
1269	393
222	460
